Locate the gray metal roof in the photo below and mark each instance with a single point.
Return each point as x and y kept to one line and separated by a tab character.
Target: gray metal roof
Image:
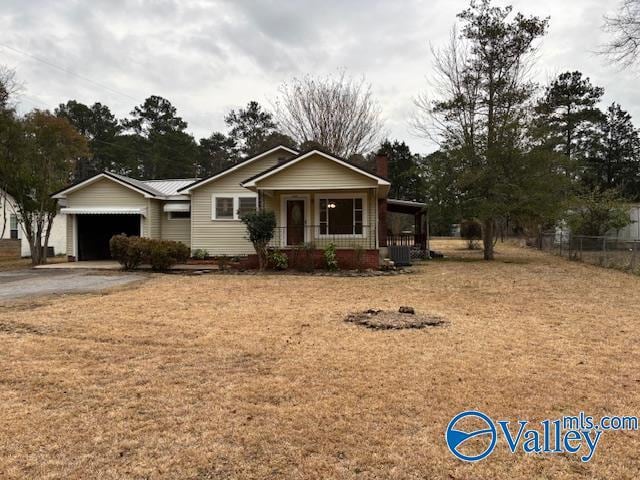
170	187
136	183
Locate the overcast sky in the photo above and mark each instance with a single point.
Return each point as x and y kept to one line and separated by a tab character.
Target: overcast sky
208	57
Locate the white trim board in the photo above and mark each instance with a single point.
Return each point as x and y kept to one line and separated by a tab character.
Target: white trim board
95	178
104	211
236	204
365	213
283	213
252	183
248	161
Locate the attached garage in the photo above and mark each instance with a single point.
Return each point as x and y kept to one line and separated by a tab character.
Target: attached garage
92	228
105	205
94	232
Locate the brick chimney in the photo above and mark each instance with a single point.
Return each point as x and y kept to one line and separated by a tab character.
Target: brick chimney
382	165
382	170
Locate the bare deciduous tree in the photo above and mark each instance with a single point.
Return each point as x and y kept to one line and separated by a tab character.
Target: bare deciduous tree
9	86
451	80
338	113
624	48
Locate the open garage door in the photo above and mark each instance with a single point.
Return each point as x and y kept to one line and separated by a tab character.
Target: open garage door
95	231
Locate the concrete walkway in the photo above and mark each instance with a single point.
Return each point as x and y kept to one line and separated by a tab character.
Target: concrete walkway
37	282
89	265
113	265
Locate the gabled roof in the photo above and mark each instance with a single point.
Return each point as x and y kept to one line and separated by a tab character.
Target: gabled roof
235	167
251	182
163	189
131	183
141	184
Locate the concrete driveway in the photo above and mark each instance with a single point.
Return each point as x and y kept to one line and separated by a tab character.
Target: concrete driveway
36	282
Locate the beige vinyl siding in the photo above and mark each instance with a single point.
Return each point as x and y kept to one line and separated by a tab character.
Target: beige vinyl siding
177	229
106	193
70	234
153	221
224	237
316	173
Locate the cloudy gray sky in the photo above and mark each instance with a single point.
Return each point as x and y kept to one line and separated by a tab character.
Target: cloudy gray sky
210	56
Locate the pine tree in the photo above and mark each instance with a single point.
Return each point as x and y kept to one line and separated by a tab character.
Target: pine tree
568	118
617	162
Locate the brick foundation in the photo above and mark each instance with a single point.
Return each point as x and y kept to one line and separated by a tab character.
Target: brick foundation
298	259
10	248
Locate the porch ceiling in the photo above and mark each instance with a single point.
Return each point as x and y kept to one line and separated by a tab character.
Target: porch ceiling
270	191
405	206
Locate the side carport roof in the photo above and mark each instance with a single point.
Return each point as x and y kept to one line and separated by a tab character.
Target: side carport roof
405	206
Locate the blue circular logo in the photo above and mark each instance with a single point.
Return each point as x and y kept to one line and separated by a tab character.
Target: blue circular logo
456	438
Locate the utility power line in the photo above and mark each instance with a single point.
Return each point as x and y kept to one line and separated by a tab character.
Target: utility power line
68	72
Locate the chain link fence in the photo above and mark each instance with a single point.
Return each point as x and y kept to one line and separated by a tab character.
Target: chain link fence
608	252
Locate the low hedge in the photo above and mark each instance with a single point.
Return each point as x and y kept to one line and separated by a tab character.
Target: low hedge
131	252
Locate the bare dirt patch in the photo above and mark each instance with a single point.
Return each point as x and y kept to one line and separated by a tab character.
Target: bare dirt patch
394	320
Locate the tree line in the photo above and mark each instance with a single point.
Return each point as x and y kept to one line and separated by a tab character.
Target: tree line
514	155
336	112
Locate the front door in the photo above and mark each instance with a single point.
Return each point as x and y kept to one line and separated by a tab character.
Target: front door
295	222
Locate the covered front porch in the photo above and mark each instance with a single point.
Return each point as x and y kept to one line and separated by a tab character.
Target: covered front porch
320	199
315	219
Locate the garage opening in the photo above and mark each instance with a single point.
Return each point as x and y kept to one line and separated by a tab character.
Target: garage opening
95	231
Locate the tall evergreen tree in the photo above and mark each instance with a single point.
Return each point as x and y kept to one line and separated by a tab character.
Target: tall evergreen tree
250	127
617	162
217	152
155	116
170	152
568	119
101	128
404	171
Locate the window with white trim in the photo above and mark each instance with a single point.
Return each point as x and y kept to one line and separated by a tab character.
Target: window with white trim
223	208
232	207
341	216
247	205
13	226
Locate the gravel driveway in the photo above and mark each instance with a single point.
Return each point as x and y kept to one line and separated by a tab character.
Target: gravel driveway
32	283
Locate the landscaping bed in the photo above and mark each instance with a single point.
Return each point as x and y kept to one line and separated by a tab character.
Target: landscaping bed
404	318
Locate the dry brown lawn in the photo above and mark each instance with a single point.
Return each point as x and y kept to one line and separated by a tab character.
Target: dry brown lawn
222	376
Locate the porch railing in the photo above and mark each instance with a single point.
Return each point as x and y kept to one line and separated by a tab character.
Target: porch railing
418	240
320	236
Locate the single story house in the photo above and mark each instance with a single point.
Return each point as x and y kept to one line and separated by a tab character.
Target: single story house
318	198
14	240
